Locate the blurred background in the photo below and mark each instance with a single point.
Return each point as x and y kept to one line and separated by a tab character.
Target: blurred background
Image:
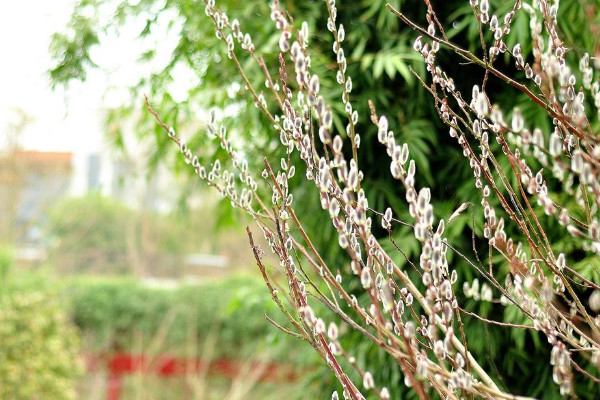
119	278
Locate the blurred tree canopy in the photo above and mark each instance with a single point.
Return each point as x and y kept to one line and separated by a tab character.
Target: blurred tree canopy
380	58
95	234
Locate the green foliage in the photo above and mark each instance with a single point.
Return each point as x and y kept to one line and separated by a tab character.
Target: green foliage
72	48
39	347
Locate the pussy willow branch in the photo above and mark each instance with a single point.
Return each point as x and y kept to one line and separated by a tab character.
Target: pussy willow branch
458	345
455	341
545	245
272	290
473	58
321	263
284	330
505	204
483	273
352	133
523	224
320	339
489	321
549	260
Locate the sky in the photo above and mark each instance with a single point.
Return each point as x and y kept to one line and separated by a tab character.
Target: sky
61	120
58	122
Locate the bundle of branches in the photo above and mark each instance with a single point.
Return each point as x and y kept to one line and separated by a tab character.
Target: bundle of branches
528	181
